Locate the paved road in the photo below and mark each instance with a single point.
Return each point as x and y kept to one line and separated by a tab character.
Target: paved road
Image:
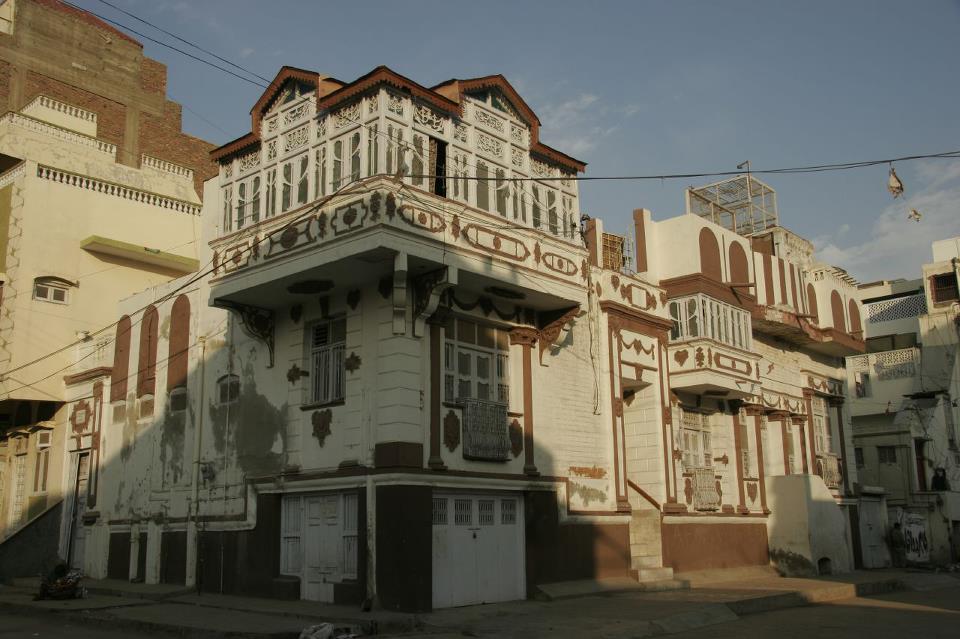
14	625
923	615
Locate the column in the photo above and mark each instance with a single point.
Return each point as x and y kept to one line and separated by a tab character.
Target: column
526	337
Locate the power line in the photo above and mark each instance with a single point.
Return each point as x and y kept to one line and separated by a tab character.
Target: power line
164	44
187	42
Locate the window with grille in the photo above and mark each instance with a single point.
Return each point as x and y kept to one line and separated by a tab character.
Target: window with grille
822	436
508	511
227	209
475	362
944	287
327	370
745	457
270	208
439	511
303	170
286	188
887	454
350	524
463	512
19	486
703	316
41	470
485	515
695	436
612	246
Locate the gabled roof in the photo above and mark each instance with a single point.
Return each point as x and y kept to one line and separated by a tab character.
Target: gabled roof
446	97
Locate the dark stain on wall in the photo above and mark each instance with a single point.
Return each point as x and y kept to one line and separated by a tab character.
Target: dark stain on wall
252	429
172	442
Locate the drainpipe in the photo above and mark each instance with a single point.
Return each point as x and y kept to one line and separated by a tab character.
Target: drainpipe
194	544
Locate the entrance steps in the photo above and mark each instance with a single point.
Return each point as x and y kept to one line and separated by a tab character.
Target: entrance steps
700	578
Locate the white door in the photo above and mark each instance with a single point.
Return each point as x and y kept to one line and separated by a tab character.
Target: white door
78	531
322	547
872	534
477	549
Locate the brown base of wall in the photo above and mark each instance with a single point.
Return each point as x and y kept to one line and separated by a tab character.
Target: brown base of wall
565	552
694	546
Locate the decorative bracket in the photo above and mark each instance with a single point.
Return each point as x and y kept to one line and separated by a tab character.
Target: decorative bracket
258	323
400	294
427	291
550	333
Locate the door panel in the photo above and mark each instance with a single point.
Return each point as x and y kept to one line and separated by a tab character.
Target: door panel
321	547
78	530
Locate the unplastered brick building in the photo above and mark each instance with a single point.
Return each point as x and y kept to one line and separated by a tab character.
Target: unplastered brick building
415	373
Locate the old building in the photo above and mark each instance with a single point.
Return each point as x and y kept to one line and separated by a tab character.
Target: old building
904	409
99	198
415	374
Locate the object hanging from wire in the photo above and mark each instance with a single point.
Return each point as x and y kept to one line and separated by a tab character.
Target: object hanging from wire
894	185
915	215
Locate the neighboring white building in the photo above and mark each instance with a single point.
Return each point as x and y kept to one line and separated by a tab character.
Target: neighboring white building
905	405
413	378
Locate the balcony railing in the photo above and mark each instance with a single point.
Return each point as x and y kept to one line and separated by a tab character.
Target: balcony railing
66	135
828	467
888	365
896	309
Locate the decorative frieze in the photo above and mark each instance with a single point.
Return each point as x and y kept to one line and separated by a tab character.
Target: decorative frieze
347	116
294	114
373	103
489	145
491	122
516	157
460	133
541	169
428	118
296	139
395	104
517	134
271	150
272	125
249	161
228	170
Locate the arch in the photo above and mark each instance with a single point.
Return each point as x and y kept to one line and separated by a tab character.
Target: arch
812	304
147	366
836	309
121	361
739	271
710	264
856	327
179	343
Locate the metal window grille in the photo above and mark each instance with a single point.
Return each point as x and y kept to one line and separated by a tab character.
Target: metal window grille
508	511
350	514
897	308
439	511
327	362
463	512
485	514
19	478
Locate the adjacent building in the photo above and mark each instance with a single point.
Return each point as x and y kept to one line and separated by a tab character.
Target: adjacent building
416	373
904	410
99	198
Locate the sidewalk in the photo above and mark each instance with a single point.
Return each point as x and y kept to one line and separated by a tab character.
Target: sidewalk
610	615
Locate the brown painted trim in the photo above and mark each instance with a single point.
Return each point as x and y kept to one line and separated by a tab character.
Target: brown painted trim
694	513
436	389
783	280
760	469
592	239
768	279
398	455
363	471
793	287
640	238
619	443
87	375
666	418
807	400
636	320
698	283
526	338
640	491
738	445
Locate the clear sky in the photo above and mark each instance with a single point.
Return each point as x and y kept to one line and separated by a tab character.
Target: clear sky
646	87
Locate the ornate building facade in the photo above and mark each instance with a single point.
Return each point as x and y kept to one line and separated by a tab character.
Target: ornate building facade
415	374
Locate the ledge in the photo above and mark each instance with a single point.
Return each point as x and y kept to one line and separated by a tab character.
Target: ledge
142	254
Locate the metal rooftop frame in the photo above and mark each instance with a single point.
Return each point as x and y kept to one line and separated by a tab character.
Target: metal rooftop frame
742	204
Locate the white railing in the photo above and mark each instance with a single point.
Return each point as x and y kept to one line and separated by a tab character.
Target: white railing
45	128
166	167
887	365
116	190
828	467
896	309
705	496
13	174
62	107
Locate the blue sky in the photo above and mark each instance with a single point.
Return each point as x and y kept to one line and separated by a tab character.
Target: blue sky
647	87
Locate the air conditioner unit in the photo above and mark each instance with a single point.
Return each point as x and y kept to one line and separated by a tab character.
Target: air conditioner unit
44	439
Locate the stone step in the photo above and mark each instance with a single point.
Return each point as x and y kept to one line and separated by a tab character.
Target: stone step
653	574
742	573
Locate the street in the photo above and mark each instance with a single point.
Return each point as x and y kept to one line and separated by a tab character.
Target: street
18	625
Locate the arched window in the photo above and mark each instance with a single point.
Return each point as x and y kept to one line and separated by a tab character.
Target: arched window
836	309
179	343
121	361
856	328
739	272
812	303
710	255
147	369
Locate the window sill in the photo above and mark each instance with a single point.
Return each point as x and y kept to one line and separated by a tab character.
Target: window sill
316	405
